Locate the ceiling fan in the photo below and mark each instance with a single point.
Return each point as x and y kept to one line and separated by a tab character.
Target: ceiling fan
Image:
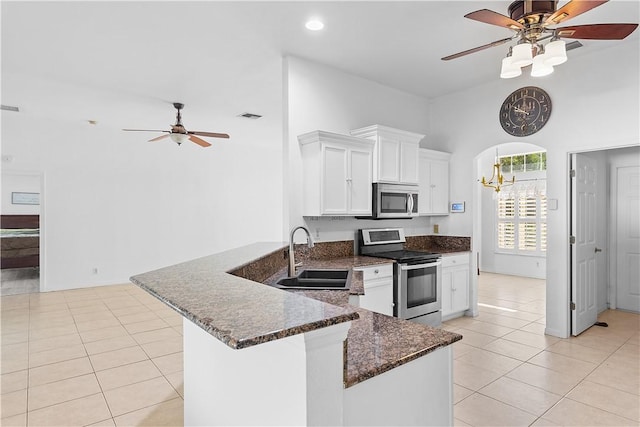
534	21
179	134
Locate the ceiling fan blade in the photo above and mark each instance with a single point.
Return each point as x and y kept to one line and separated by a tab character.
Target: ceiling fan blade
211	134
477	49
145	130
199	141
158	138
572	9
597	31
494	18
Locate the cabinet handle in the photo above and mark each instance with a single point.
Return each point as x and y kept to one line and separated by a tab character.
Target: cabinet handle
376	271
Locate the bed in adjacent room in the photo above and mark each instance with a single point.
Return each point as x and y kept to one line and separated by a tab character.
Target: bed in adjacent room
20	238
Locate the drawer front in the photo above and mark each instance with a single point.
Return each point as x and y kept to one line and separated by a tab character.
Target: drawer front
454	260
376	271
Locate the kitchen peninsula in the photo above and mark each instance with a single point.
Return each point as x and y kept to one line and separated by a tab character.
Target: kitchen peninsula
257	355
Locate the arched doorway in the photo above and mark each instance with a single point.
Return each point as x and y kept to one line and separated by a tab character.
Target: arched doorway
505	245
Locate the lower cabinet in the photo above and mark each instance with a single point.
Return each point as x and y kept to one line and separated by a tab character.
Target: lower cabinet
378	288
455	285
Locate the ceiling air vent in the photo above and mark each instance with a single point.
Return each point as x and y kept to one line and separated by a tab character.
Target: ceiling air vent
9	108
250	116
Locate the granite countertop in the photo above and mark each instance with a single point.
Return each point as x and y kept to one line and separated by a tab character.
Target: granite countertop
242	313
377	343
239	312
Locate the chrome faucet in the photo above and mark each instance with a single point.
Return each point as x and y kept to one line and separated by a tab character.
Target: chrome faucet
292	262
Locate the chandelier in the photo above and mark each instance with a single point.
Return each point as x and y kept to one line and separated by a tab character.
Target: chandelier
497	181
530	51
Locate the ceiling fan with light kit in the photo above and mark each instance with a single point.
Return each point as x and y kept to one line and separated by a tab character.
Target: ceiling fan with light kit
533	22
179	134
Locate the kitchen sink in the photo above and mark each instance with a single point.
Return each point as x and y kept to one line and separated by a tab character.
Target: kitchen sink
317	279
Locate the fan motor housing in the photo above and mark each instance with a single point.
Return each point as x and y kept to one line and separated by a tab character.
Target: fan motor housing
529	12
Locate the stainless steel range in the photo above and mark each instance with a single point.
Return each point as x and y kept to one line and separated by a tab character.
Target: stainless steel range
417	275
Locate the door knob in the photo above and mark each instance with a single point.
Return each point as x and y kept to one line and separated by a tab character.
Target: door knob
598	250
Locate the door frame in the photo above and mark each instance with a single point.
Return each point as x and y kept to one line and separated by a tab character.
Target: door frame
478	236
610	230
42	230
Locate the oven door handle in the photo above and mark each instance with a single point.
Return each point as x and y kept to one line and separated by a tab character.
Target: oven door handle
405	267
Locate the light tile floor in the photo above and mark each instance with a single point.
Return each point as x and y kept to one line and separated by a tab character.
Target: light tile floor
508	373
105	356
112	356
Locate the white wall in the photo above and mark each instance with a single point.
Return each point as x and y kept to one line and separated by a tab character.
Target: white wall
115	203
491	260
591	110
324	98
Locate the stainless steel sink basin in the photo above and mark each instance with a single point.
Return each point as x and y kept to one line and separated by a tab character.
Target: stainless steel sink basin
317	279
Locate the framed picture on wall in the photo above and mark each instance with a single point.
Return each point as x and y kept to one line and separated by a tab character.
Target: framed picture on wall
20	198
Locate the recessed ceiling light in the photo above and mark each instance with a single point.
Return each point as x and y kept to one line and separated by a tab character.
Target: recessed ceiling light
314	25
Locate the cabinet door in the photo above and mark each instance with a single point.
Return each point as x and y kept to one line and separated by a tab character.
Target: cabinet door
424	186
409	162
334	180
388	160
378	299
447	285
460	289
359	182
439	186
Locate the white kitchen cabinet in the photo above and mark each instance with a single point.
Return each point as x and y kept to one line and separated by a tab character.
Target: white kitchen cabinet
378	288
336	173
395	155
455	285
433	197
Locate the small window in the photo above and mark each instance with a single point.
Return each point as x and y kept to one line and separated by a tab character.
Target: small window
521	219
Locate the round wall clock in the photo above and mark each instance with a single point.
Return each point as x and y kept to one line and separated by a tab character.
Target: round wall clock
525	111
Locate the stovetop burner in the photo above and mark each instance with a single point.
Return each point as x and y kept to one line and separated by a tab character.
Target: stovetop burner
389	243
405	255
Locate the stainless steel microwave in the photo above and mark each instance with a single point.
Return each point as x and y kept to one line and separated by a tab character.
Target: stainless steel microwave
394	201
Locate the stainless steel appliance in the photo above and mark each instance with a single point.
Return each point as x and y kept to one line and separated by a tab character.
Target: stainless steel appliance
417	282
394	201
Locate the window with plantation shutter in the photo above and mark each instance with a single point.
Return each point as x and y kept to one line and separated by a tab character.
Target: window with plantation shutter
521	219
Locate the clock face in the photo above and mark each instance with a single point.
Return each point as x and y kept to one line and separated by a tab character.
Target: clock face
525	111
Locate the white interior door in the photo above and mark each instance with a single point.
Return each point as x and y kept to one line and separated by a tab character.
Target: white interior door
584	312
628	238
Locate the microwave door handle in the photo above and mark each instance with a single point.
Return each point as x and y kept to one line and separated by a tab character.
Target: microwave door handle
409	203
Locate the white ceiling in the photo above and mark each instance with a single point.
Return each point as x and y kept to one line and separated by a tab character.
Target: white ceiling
212	55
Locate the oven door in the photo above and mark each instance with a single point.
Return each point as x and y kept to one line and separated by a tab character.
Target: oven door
418	288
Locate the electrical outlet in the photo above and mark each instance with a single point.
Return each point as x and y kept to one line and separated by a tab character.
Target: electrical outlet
436	228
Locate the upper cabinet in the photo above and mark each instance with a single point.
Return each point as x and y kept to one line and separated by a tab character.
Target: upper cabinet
337	174
395	155
433	198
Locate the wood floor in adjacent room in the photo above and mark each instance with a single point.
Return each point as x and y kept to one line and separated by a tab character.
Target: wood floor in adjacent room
112	356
